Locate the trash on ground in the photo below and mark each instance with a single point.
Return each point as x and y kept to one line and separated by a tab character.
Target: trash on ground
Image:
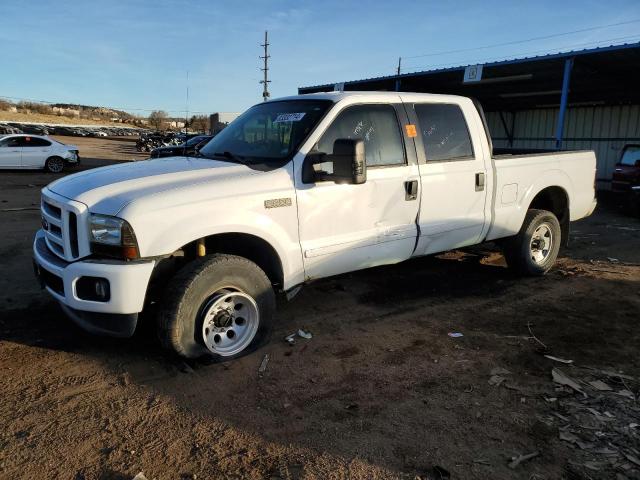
613	260
632	458
455	334
515	461
500	371
263	364
560	378
600	385
627	394
556	359
568	437
140	476
291	339
303	334
496	380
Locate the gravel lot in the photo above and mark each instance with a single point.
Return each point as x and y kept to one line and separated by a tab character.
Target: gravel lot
380	391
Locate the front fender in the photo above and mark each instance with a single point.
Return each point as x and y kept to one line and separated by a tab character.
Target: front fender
162	233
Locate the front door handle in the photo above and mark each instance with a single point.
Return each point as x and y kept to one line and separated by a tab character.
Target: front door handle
479	181
411	190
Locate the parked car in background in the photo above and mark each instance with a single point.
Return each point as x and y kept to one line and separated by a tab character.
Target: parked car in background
627	172
187	149
626	177
36	152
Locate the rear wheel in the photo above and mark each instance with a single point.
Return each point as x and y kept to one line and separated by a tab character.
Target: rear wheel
221	306
533	251
54	165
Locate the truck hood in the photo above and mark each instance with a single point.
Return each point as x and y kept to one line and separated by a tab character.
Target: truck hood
108	190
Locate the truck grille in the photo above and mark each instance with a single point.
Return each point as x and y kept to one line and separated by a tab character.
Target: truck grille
60	222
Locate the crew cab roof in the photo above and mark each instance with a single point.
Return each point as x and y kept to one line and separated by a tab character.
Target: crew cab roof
338	96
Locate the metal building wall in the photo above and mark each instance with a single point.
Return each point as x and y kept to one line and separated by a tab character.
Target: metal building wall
604	129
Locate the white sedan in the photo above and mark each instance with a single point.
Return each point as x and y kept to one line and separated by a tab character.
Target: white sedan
36	152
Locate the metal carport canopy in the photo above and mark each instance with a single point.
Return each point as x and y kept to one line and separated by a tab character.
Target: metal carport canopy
604	75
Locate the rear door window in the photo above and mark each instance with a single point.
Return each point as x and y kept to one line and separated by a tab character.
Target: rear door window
34	142
444	132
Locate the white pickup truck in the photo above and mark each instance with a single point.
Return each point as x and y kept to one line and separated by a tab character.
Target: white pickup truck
294	190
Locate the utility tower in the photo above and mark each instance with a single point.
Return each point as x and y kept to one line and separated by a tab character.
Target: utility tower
265	70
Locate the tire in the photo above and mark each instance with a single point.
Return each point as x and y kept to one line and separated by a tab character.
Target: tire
54	165
195	310
533	251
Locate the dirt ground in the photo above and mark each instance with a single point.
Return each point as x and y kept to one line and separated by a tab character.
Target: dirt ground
380	391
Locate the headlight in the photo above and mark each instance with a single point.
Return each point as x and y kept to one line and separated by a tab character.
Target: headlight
112	236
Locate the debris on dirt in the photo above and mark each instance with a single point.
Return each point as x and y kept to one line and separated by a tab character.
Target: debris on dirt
352	406
562	379
561	417
263	364
303	334
568	437
500	371
557	359
632	458
600	386
291	339
613	260
533	337
627	394
139	476
455	334
496	380
515	461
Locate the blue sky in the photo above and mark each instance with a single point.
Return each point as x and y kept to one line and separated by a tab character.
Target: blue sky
135	54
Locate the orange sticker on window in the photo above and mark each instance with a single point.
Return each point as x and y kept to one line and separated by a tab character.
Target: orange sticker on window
411	130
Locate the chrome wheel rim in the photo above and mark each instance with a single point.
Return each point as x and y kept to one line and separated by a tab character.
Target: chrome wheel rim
56	165
230	322
541	243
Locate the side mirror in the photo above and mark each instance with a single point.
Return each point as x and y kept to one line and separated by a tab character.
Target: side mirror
348	159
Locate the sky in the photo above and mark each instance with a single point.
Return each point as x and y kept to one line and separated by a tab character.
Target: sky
141	55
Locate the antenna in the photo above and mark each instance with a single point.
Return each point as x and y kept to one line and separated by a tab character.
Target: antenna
265	81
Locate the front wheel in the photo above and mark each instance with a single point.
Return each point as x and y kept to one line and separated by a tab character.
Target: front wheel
54	165
533	251
221	306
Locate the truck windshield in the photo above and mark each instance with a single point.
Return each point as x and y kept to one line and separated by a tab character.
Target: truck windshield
631	155
270	131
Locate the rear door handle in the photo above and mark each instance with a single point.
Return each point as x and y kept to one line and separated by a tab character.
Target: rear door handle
479	181
411	190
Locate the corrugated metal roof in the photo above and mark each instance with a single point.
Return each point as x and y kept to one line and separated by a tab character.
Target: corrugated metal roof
548	56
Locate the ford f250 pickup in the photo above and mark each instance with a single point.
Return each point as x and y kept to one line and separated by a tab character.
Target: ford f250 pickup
295	189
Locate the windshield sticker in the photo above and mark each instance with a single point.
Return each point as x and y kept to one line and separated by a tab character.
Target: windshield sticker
289	117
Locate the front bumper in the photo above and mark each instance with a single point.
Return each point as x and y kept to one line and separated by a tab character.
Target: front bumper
128	283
